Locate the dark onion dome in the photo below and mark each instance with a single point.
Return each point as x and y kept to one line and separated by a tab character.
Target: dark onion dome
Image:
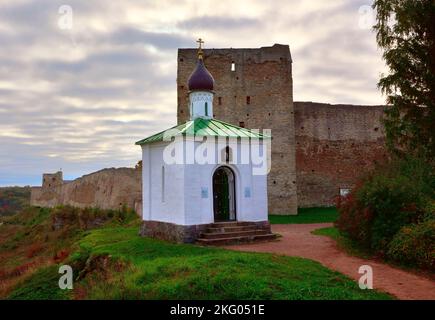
201	79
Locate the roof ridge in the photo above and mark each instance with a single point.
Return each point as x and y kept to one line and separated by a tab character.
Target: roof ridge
206	127
241	128
156	134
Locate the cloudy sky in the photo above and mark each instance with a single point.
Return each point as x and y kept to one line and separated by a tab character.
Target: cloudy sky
77	96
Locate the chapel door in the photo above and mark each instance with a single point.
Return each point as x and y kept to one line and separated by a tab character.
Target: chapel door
224	195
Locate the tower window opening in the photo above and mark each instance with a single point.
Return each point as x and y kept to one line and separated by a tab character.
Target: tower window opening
206	109
233	66
242	124
220	101
248	100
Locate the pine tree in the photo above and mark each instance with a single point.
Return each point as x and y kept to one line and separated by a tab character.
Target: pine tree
405	30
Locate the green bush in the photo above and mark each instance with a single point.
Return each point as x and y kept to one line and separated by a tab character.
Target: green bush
415	244
13	200
394	202
395	195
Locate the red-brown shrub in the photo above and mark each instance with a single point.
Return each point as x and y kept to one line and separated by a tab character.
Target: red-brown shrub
18	271
354	220
415	244
61	255
34	250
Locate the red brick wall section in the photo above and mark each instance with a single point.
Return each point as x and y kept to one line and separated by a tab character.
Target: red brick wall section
335	144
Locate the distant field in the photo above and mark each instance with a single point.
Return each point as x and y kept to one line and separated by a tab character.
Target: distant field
307	215
13	199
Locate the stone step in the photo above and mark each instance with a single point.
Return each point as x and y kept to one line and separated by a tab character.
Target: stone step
236	240
232	229
224	235
231	224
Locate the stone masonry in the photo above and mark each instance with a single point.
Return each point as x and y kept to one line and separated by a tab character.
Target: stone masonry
105	189
335	145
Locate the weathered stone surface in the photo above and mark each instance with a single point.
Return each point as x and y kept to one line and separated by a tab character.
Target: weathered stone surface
335	144
189	234
105	189
172	232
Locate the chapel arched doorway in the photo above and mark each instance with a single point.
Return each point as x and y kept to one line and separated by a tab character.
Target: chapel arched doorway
224	194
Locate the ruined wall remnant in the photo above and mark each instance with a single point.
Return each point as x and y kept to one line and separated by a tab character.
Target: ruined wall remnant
253	89
52	180
105	189
335	144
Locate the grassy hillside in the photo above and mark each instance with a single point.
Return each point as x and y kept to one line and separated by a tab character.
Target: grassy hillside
110	261
13	199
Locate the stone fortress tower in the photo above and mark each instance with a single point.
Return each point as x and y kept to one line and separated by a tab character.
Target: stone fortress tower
254	89
52	180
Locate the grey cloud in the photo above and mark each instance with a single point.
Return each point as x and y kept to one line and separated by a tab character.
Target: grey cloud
218	22
160	40
83	109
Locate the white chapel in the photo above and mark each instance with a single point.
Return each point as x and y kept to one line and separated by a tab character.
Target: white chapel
205	180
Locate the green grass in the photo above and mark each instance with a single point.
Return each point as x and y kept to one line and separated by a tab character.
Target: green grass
43	285
143	268
307	215
343	242
113	262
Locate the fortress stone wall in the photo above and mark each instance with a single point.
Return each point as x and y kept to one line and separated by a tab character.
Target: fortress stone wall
335	144
105	189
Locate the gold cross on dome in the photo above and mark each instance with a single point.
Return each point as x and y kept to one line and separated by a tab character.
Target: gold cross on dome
200	52
200	42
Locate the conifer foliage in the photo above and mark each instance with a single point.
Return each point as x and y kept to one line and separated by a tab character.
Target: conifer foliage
405	30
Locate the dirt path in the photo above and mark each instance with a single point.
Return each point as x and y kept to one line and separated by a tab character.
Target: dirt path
297	240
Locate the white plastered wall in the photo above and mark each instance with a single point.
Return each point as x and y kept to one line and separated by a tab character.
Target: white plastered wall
188	194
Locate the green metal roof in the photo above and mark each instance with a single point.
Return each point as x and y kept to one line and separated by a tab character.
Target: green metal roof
204	127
